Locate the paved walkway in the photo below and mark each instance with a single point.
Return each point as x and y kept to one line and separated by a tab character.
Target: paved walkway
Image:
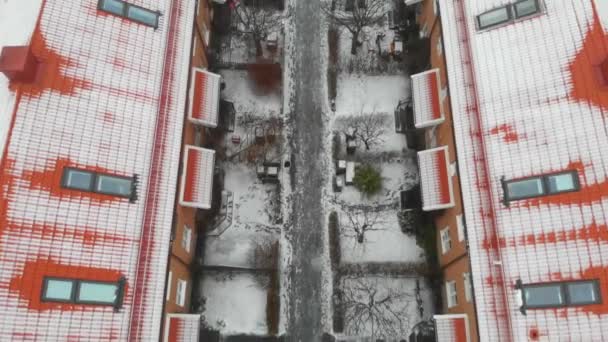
306	234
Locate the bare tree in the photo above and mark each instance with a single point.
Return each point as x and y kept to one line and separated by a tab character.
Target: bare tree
368	127
257	19
355	15
360	221
374	309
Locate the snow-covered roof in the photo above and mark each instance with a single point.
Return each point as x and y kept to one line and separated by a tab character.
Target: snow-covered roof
204	98
197	177
452	328
109	99
526	101
428	110
17	22
435	180
182	328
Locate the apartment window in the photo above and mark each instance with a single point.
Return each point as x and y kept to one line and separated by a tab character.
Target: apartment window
180	292
446	242
559	294
186	238
82	291
451	295
525	8
460	226
439	47
549	184
84	180
494	17
468	288
129	11
169	278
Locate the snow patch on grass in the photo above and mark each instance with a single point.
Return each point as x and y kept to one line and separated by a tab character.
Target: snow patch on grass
236	303
370	93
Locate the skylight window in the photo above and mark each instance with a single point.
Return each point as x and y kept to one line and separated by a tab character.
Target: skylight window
129	11
90	181
560	294
79	291
525	8
494	17
543	185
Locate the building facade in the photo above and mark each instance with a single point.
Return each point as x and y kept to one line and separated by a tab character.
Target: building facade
527	88
96	93
448	220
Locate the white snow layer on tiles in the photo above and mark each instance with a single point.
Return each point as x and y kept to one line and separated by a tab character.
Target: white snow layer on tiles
241	90
17	22
358	93
387	244
236	303
602	9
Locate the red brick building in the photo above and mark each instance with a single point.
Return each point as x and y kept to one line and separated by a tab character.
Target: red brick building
527	90
96	99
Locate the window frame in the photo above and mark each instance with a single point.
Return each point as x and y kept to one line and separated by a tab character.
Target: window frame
468	286
563	286
596	287
445	232
45	283
449	295
65	175
575	180
180	292
79	283
76	283
187	247
94	180
517	16
544	179
510	17
125	12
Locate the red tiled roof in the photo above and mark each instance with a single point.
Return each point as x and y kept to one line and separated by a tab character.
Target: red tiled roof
197	177
435	179
428	109
109	97
452	328
182	328
204	98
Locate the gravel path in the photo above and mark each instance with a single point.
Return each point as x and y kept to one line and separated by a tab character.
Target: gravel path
306	234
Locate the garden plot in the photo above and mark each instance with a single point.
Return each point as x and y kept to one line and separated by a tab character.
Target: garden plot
369	236
383	307
247	97
373	56
255	213
235	302
257	116
366	93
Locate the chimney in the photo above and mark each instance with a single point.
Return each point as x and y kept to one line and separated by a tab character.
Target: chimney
18	64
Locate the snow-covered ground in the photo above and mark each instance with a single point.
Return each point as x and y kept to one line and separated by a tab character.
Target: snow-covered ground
17	22
235	302
255	211
367	93
390	306
387	244
242	91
